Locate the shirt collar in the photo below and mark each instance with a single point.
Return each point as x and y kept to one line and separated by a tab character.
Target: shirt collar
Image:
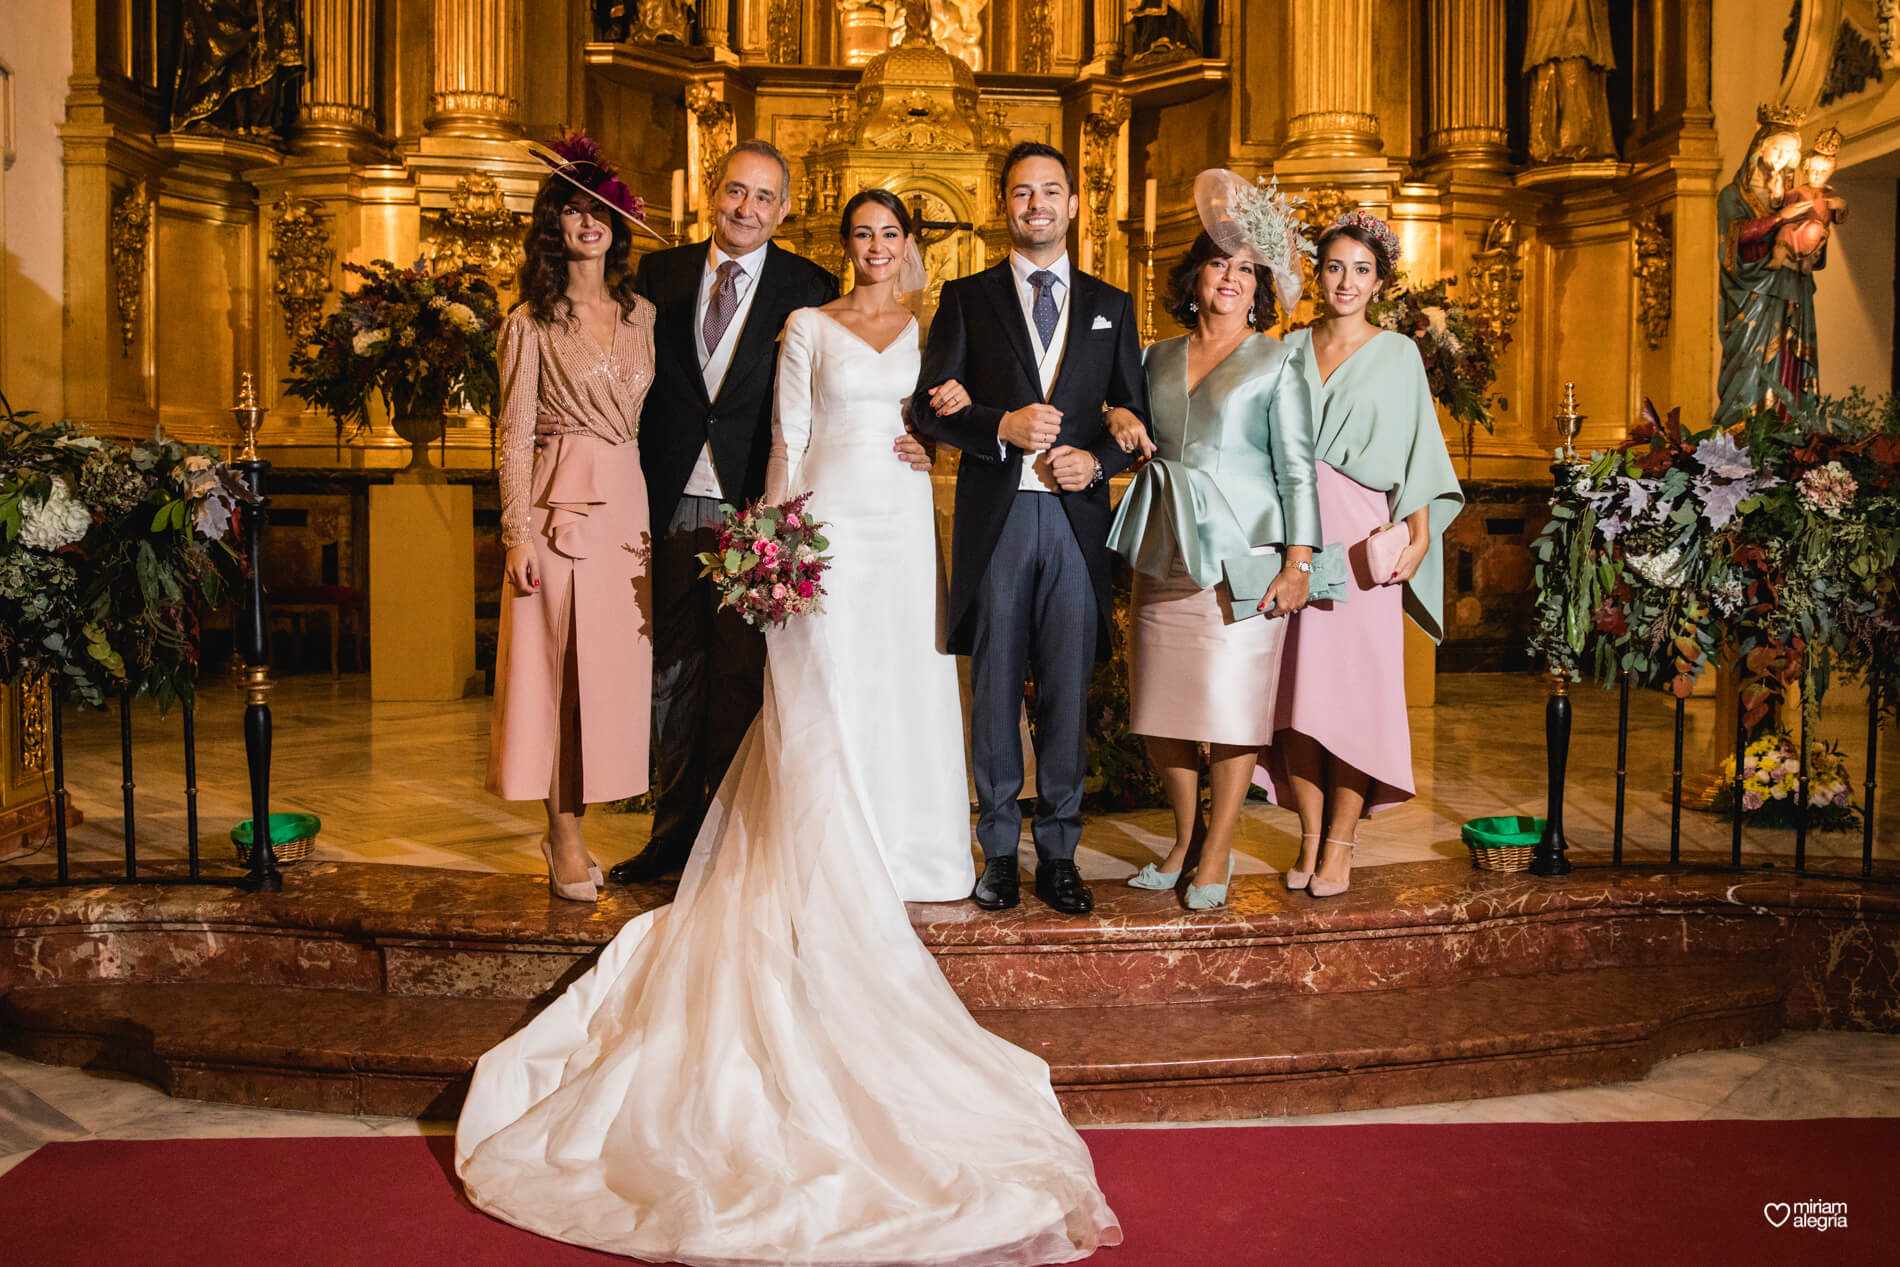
749	264
1022	268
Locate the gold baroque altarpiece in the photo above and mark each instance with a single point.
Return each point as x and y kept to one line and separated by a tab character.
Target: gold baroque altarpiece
402	144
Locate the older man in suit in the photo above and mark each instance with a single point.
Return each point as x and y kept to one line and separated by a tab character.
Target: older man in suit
704	439
1040	349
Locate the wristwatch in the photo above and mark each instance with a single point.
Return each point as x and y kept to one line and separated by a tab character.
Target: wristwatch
1098	477
1304	565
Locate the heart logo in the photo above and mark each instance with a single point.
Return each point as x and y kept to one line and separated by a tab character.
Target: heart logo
1776	1212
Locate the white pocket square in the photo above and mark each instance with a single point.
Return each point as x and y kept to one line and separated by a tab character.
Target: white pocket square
1102	323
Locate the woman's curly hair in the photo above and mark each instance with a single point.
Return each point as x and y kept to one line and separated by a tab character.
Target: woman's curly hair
543	276
1184	281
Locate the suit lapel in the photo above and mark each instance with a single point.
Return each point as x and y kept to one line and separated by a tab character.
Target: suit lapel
1082	291
1001	288
680	303
760	332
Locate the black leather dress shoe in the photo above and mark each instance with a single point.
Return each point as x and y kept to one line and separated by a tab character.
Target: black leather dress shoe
1060	885
999	887
651	863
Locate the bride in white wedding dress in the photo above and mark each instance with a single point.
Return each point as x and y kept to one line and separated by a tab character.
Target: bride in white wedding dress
772	1069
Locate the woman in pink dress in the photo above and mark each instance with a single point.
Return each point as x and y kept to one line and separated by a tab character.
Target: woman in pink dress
578	347
1342	746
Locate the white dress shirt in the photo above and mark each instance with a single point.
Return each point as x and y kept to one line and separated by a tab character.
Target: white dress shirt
1036	477
714	362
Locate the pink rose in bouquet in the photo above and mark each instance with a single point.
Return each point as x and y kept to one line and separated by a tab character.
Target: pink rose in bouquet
768	562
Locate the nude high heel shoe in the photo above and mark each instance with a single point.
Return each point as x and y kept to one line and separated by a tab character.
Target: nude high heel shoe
579	891
1332	888
1297	880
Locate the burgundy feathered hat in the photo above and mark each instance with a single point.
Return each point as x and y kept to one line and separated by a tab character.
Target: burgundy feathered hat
576	158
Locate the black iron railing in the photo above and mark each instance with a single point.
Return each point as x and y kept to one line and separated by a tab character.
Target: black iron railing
1552	853
252	633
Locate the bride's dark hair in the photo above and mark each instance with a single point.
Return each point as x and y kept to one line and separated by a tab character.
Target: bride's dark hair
883	198
543	276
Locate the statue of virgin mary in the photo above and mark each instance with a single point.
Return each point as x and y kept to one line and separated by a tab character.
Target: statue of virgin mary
1768	330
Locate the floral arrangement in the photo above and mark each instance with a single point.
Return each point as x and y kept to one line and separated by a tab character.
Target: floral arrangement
107	555
415	337
1771	784
768	562
1776	542
1460	348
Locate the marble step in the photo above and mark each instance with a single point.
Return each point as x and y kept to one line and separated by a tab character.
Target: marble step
436	933
350	1052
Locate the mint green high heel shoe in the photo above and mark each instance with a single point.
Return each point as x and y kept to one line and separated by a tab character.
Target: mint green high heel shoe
1153	877
1205	897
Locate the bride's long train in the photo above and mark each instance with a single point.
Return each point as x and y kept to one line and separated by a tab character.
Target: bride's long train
773	1069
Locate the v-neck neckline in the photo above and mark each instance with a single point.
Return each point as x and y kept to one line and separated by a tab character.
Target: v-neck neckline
875	350
1313	355
1187	350
613	340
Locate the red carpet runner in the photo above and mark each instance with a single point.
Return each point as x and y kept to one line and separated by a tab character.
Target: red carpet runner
1702	1192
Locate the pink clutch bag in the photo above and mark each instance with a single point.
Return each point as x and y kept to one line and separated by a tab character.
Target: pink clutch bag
1383	549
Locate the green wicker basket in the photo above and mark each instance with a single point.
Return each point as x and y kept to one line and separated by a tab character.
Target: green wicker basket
1503	843
292	837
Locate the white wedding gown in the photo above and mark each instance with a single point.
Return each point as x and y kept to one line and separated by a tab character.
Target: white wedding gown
772	1069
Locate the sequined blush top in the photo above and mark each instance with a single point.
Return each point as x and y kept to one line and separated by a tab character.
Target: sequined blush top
559	369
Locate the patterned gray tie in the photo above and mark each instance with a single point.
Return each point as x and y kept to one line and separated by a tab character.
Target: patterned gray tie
719	309
1044	309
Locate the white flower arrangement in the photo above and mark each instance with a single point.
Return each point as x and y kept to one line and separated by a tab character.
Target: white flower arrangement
56	522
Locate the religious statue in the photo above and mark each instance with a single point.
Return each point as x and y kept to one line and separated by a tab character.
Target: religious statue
1801	242
663	22
1157	31
1768	329
956	27
238	64
1567	57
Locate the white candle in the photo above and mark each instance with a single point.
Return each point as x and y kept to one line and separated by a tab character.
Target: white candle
1148	209
679	197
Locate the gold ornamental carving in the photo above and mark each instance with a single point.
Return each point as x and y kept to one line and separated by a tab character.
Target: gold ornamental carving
478	69
1332	80
478	229
1039	53
714	118
1497	274
300	252
131	239
1655	266
781	31
1320	206
33	714
1101	131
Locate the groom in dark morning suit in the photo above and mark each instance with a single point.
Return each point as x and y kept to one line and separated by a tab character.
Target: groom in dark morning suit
1042	350
705	435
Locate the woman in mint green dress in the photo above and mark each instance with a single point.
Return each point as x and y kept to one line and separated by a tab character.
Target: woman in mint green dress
1342	745
1220	528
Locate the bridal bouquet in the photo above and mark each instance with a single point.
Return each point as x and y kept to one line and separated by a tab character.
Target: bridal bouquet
768	563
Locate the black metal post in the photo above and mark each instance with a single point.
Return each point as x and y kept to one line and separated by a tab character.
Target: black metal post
1549	857
191	792
1675	792
1870	783
125	782
1735	788
254	646
1801	784
1622	766
59	778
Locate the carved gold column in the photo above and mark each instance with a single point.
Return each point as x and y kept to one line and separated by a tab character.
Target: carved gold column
1108	32
1332	80
338	97
477	79
715	26
1466	80
1101	135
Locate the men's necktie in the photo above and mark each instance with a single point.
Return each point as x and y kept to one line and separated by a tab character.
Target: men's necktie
724	302
1044	309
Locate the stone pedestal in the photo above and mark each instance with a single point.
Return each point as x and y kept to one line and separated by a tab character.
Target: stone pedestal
422	587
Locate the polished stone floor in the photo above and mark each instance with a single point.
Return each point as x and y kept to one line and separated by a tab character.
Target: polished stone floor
402	783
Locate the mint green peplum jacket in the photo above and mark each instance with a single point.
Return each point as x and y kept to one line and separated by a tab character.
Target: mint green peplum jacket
1233	469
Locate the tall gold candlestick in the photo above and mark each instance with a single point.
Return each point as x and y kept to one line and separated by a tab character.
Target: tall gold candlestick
249	417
